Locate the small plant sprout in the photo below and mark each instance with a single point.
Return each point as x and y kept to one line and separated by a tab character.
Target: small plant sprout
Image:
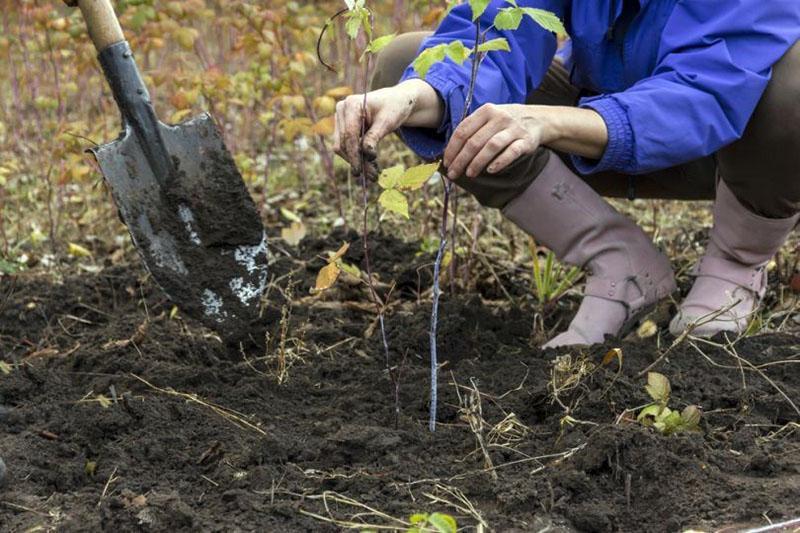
552	279
657	415
432	523
327	276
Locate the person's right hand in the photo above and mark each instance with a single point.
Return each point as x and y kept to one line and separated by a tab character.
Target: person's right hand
411	103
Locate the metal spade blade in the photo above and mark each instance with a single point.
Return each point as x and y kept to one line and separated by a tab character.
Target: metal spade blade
180	194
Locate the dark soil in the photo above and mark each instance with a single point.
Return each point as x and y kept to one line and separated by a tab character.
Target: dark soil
154	460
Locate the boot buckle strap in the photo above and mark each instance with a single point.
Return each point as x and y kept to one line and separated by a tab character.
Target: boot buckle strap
617	290
751	279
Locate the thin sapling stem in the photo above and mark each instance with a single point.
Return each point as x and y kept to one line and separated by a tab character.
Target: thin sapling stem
437	265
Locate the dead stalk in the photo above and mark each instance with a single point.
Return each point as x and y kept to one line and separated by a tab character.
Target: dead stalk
233	417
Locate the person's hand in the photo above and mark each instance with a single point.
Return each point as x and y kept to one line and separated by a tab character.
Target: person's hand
494	136
411	103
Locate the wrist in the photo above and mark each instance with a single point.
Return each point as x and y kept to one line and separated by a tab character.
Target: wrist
428	108
547	119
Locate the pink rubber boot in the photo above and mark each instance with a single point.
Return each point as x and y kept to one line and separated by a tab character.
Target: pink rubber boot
731	276
626	274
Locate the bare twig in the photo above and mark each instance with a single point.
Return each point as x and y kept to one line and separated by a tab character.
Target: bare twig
235	418
685	335
111	479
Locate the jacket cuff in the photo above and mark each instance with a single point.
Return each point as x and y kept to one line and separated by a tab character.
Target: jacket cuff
619	154
429	143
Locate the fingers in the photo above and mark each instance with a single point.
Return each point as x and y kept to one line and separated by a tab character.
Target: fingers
353	117
382	126
513	151
490	150
472	147
468	127
347	130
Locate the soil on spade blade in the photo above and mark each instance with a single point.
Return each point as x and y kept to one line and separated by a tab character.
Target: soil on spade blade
118	416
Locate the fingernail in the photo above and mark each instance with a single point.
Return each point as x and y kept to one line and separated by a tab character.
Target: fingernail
491	170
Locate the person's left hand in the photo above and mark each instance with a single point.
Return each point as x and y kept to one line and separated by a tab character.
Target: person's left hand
493	136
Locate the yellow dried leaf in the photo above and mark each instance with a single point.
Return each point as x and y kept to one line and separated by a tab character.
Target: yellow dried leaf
324	126
289	215
325	105
327	277
433	16
5	368
178	116
658	387
339	253
613	353
647	329
104	402
339	92
294	233
186	37
76	250
173	313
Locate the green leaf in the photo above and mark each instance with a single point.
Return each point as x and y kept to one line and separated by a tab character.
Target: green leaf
352	26
509	18
457	52
415	177
418	518
427	58
357	18
478	8
495	44
349	269
546	19
394	200
658	387
649	414
7	267
672	422
389	176
380	43
443	523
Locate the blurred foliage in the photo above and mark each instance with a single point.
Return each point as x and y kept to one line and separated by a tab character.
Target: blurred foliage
252	64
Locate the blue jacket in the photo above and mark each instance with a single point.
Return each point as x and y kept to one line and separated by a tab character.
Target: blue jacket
680	83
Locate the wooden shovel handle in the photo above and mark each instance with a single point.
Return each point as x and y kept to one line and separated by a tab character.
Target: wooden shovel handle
102	22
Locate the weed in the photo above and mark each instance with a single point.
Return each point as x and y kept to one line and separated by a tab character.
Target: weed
659	416
551	280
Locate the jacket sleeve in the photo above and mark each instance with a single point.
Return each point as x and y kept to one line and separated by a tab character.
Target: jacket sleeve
714	63
504	77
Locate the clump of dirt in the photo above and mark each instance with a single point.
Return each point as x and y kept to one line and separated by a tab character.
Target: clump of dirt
120	416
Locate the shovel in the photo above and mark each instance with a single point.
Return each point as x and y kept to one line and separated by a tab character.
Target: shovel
180	194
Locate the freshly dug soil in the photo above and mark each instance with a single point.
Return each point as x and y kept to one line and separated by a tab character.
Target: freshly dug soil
118	416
